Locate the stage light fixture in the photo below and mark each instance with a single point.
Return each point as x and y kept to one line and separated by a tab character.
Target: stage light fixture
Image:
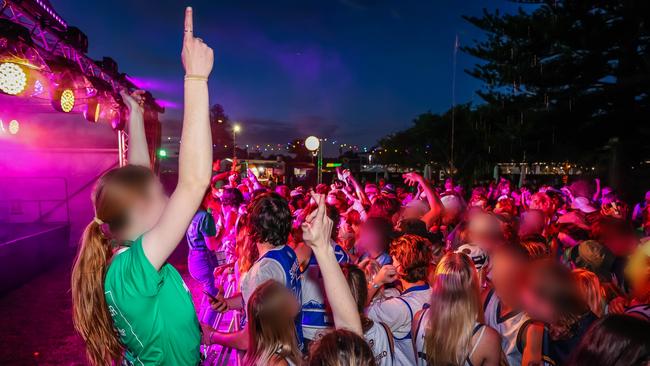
162	153
67	100
92	109
14	126
63	98
13	78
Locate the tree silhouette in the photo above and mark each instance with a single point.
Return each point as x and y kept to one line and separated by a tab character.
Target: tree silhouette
222	138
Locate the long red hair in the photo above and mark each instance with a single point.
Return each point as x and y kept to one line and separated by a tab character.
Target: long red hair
112	195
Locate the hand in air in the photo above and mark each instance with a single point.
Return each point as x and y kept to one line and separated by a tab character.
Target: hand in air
133	101
412	178
197	56
317	227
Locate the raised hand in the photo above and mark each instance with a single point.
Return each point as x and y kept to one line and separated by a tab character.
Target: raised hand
317	227
133	101
197	56
412	178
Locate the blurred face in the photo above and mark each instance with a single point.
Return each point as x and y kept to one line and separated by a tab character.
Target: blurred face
532	222
369	241
483	230
536	306
507	273
291	304
637	271
332	200
371	191
146	212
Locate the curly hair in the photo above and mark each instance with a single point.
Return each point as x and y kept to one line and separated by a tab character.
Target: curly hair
269	219
414	253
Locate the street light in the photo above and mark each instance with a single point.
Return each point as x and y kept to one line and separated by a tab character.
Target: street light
312	143
235	130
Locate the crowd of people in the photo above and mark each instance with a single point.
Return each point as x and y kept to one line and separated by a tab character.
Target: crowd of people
356	273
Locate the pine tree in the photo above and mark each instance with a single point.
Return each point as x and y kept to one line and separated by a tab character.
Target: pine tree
569	79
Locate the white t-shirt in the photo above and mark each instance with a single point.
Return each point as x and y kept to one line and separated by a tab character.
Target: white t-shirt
397	313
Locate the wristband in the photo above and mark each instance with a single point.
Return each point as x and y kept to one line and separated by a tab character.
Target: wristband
374	285
195	77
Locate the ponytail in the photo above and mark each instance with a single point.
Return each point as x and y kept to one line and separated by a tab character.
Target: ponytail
90	312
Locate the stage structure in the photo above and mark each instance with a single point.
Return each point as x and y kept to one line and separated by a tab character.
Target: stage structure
62	125
40	52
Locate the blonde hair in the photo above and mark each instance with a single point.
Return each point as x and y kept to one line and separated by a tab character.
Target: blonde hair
590	290
112	195
271	330
455	309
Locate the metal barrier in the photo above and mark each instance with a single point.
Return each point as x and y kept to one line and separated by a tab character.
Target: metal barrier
217	355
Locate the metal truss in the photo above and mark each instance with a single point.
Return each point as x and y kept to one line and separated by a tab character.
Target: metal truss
47	40
46	29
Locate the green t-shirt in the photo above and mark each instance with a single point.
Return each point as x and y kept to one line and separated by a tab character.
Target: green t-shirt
152	310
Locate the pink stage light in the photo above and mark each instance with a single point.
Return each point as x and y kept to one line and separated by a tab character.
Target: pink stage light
13	79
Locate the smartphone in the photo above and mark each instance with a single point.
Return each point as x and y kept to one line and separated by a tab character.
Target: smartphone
210	295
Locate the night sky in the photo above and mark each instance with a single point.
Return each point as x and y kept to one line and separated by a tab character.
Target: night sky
350	70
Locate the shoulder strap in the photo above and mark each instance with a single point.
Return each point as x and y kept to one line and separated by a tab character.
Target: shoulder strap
478	341
391	341
415	330
521	333
409	335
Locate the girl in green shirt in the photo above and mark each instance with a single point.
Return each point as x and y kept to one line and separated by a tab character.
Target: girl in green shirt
128	303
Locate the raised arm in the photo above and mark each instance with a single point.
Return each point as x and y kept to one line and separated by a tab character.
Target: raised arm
316	233
349	178
435	205
138	154
195	157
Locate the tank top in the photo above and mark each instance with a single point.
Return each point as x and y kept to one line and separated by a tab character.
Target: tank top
288	260
508	326
414	300
315	316
420	331
380	340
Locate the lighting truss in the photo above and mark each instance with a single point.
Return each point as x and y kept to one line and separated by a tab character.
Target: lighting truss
46	28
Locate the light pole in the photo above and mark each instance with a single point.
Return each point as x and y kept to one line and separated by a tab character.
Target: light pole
312	143
235	130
